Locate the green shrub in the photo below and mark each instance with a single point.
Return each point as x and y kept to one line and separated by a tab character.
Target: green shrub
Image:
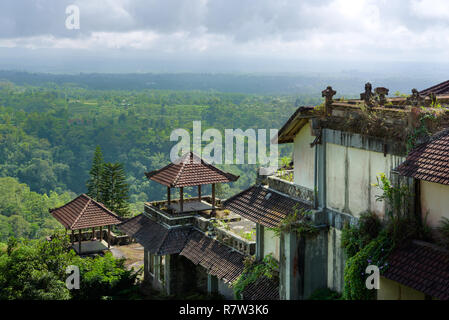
325	294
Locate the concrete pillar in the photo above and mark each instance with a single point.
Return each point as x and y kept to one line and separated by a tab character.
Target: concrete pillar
321	171
212	284
259	241
146	265
181	195
167	274
289	261
79	243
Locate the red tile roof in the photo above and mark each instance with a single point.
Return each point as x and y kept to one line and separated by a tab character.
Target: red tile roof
441	88
189	170
421	266
84	212
429	161
262	289
218	259
154	237
263	205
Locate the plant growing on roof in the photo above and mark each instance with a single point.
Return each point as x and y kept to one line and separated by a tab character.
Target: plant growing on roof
300	222
268	267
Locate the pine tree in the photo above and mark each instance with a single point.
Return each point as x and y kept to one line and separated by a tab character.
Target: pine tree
94	182
114	189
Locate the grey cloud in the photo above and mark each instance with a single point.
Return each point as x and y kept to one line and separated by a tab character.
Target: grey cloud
243	20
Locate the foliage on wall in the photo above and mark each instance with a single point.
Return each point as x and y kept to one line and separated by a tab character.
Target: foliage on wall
371	241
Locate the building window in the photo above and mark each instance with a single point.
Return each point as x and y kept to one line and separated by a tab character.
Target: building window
151	263
161	268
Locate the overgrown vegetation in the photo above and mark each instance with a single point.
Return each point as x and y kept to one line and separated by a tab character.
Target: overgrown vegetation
36	269
371	241
268	267
300	222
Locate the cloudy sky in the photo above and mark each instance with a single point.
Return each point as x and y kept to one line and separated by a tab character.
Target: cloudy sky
224	30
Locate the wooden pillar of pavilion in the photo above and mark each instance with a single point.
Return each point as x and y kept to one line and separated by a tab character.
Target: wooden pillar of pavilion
79	242
213	195
73	237
199	193
109	237
168	196
181	195
101	233
93	233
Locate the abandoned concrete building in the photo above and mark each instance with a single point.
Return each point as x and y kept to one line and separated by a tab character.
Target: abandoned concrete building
339	149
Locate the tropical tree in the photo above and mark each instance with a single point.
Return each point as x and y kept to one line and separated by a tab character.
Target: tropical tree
94	182
114	189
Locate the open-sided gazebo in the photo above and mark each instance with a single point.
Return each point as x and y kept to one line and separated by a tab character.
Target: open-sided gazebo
83	212
190	170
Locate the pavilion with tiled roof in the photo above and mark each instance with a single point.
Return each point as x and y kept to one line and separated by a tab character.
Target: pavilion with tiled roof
83	212
187	171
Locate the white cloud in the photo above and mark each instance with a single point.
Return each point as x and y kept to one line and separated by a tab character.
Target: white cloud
342	29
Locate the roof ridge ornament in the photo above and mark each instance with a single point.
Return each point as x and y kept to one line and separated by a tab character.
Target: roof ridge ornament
381	92
368	95
328	93
415	99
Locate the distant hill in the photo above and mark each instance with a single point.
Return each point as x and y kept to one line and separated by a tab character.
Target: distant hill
347	83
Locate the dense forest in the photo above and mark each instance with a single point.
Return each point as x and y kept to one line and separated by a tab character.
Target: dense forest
48	135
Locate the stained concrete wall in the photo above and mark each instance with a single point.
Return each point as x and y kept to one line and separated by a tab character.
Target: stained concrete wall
226	291
335	260
350	173
315	263
270	243
434	202
392	290
304	158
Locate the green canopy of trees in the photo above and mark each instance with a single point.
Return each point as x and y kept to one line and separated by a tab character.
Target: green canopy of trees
37	269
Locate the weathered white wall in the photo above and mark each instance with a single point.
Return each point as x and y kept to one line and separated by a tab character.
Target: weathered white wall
304	158
335	261
434	201
270	244
350	173
392	290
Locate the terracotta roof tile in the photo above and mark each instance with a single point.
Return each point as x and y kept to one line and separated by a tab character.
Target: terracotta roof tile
421	266
262	289
218	259
189	170
429	161
154	237
84	212
441	88
263	205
